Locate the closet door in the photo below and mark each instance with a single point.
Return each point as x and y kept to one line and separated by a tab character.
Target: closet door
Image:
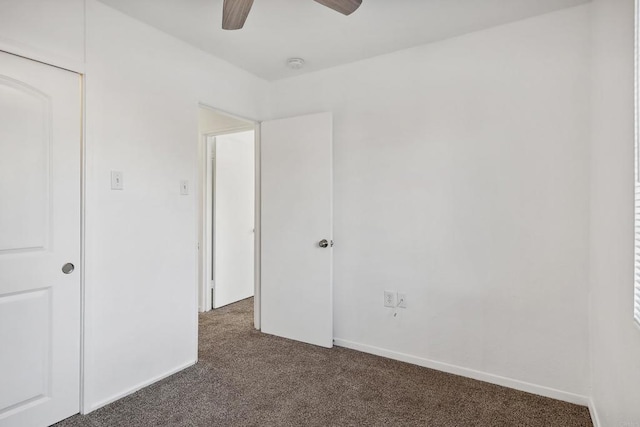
40	159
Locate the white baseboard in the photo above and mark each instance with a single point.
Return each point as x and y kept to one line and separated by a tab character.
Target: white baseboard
137	387
470	373
594	414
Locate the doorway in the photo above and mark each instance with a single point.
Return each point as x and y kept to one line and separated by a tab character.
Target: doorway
229	230
40	237
293	231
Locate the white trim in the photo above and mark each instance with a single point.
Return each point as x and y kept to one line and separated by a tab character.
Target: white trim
636	86
636	225
201	230
257	296
14	48
469	373
231	130
139	386
209	248
594	414
28	53
226	113
83	234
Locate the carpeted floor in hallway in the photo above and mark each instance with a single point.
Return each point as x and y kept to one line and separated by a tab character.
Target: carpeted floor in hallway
246	378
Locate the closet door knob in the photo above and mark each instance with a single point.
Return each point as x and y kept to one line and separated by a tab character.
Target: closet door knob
68	268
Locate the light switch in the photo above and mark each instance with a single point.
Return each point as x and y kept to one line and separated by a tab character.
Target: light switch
184	187
116	180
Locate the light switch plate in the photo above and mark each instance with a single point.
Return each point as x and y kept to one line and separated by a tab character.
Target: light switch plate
117	180
402	300
184	187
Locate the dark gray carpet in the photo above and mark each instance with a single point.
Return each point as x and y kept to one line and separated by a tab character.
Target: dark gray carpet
245	378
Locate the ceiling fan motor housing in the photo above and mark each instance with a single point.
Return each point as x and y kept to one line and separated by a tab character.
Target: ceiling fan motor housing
235	12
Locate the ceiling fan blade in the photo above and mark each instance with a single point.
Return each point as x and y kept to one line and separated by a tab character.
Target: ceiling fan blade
346	7
234	13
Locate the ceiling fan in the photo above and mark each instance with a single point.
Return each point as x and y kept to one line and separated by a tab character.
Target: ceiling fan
235	12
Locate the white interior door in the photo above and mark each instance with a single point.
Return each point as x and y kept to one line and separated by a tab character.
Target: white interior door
296	216
234	217
40	146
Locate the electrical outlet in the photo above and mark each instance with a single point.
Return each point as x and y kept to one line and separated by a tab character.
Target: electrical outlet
402	300
390	299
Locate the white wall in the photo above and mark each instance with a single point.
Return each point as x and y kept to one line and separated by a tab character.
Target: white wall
142	93
50	31
143	90
461	179
615	339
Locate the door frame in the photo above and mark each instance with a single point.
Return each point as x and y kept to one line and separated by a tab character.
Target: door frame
79	69
203	284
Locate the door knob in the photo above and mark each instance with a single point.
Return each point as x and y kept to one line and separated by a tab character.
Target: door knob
324	243
68	268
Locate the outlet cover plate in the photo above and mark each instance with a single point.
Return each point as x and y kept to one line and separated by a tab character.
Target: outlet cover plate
390	298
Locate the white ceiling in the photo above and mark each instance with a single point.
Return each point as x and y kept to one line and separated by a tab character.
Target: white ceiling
280	29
